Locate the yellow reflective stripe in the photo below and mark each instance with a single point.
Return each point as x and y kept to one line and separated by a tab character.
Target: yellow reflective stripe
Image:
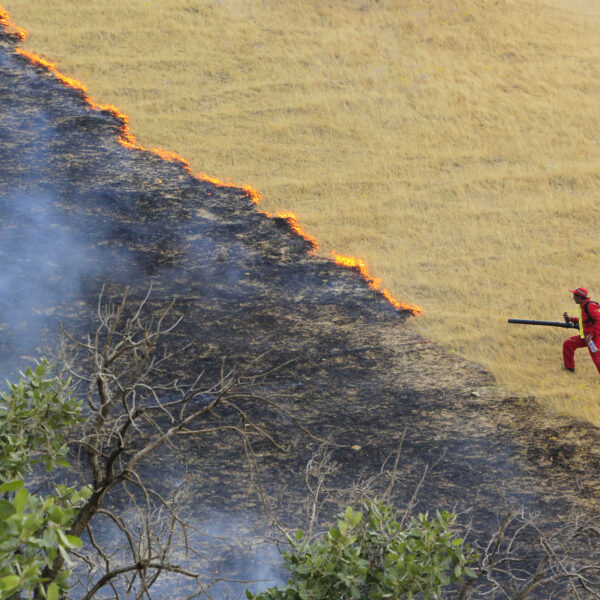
581	323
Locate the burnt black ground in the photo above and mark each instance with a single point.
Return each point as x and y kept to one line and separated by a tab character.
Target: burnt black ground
79	211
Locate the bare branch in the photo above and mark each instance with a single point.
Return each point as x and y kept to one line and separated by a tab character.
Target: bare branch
134	407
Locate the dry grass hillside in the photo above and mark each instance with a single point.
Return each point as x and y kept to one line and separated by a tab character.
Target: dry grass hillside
454	146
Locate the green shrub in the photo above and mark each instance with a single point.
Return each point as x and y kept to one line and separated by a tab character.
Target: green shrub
34	415
371	556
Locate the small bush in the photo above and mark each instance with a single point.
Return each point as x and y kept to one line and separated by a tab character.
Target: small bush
371	556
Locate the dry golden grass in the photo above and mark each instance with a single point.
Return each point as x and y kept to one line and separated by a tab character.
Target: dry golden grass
454	146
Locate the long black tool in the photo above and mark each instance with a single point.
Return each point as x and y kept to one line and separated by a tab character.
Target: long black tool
546	323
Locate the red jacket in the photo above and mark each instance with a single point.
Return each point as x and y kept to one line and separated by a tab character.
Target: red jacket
591	317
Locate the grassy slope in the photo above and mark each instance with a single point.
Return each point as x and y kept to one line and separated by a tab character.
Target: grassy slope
452	145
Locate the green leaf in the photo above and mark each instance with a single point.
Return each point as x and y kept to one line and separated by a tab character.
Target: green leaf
52	592
9	582
74	541
6	509
55	514
48	502
85	492
68	541
11	486
65	555
20	501
48	538
40	370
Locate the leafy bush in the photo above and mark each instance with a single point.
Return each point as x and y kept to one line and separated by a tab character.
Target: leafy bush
34	414
371	556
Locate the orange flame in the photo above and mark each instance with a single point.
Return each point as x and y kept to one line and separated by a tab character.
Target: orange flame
292	221
128	140
10	27
374	282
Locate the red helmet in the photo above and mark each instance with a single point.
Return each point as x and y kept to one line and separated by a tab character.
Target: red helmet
580	291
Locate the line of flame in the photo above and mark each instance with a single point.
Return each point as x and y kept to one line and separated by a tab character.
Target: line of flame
128	140
10	27
292	221
373	282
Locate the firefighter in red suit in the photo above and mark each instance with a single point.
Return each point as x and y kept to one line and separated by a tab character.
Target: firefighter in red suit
588	320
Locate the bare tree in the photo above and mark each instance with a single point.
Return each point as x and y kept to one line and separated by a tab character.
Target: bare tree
134	405
525	560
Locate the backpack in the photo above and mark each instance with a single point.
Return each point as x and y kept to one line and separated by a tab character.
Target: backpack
587	310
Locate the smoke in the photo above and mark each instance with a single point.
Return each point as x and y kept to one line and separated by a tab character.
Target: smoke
47	257
240	548
231	552
42	267
42	262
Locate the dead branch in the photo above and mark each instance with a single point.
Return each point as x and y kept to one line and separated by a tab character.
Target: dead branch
134	406
523	561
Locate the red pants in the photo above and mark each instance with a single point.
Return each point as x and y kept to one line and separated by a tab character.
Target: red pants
571	344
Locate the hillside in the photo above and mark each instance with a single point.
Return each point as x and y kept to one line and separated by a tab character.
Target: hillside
453	145
82	210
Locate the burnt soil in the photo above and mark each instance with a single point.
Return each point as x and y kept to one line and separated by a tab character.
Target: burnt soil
79	210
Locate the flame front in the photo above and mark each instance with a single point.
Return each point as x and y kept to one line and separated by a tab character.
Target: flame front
374	282
127	139
10	27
